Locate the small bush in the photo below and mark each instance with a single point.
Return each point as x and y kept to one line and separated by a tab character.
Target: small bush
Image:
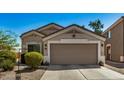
7	65
6	54
33	59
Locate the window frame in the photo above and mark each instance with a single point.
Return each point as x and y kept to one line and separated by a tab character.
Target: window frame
109	34
31	43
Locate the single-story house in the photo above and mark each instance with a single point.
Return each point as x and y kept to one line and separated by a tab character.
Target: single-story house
73	44
114	44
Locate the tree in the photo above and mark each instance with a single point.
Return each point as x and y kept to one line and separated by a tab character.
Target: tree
83	26
8	40
97	26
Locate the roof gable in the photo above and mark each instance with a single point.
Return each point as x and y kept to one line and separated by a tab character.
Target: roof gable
32	32
45	30
75	27
49	25
114	24
49	28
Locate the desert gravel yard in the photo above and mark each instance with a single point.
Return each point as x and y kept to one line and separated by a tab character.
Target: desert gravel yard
26	74
80	72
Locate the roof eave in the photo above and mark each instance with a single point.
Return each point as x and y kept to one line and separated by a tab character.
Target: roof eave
23	35
99	37
115	23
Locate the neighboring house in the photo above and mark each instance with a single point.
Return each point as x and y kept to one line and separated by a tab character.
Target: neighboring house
65	45
114	44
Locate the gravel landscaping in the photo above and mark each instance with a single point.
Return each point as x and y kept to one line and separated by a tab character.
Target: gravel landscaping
26	73
7	75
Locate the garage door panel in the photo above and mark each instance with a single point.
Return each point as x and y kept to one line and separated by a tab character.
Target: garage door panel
73	53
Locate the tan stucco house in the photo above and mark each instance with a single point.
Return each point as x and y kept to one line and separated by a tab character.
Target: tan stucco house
65	45
114	44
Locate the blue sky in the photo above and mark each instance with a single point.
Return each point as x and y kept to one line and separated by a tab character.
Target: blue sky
22	22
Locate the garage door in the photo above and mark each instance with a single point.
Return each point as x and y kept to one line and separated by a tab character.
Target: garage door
73	53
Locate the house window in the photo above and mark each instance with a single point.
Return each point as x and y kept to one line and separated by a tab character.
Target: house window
33	47
109	34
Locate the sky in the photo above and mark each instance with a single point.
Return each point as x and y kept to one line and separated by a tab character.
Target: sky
23	22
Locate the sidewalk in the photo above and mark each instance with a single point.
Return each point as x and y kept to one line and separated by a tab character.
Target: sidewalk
116	66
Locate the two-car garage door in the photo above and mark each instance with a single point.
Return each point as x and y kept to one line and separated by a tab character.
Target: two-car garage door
73	53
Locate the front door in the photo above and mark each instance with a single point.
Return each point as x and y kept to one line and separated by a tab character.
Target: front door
108	53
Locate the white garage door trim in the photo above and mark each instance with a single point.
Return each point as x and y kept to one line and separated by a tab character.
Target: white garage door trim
74	41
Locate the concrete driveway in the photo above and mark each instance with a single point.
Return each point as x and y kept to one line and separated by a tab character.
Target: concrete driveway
80	72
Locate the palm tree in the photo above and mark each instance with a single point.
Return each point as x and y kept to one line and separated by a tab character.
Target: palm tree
97	26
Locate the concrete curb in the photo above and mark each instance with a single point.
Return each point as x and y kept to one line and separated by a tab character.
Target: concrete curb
115	69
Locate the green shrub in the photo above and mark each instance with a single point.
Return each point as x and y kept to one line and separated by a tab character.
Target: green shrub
6	54
7	59
33	59
7	64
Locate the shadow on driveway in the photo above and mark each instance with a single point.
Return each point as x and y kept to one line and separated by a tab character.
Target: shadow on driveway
115	64
26	69
71	67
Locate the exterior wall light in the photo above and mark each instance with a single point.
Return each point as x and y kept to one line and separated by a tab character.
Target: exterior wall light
73	35
45	46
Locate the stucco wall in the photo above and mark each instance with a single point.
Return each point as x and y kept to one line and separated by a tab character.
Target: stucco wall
116	41
30	39
77	36
69	36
